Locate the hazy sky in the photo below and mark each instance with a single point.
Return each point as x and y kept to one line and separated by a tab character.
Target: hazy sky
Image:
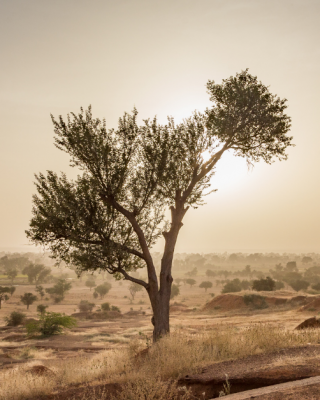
158	55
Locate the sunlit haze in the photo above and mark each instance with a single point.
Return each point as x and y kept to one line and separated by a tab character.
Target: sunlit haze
157	56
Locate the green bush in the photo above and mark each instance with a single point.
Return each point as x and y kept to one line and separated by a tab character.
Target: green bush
267	284
299	284
105	306
50	323
15	318
115	308
232	286
41	308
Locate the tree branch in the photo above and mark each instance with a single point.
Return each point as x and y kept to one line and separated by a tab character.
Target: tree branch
131	278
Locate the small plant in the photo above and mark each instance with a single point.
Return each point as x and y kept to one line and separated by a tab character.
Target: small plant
105	307
50	323
226	388
115	308
212	294
41	308
15	318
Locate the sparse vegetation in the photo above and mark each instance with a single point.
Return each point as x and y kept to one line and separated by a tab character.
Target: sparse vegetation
102	290
267	284
206	285
175	291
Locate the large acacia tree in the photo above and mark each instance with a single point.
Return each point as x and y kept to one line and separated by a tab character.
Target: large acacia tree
113	213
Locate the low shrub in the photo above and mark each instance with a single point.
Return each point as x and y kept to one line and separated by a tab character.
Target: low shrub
85	306
50	323
15	318
115	308
105	306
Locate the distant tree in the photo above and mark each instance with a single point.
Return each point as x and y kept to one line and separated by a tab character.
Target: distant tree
90	283
37	273
12	273
12	290
28	299
3	294
279	267
103	289
306	260
178	281
41	308
210	273
247	270
267	284
95	295
57	292
134	288
191	282
85	306
175	291
113	213
291	266
299	285
193	272
205	285
40	290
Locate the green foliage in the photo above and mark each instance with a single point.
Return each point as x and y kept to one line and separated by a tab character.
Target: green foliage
50	323
299	285
258	302
103	289
115	308
267	284
41	308
175	291
105	307
190	282
85	306
206	285
28	299
15	318
37	273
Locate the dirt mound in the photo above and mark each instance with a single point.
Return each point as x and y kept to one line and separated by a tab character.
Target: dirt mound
39	370
309	323
275	301
225	302
312	305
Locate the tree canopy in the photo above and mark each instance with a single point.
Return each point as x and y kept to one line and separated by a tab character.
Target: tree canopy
114	212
